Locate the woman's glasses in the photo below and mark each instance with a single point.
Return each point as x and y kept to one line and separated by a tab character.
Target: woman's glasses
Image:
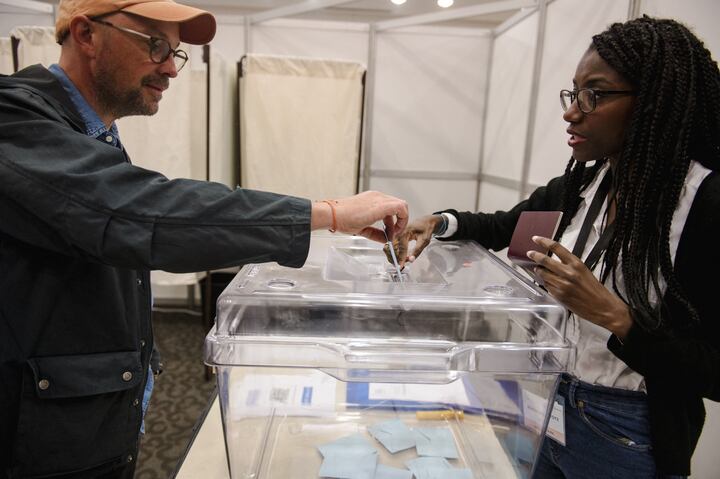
587	97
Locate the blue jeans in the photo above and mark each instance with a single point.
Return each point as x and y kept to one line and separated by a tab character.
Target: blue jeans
607	435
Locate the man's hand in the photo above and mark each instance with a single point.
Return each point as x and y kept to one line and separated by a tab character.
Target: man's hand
356	215
574	285
420	230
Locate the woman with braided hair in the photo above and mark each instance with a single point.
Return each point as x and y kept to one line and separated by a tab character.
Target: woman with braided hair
644	126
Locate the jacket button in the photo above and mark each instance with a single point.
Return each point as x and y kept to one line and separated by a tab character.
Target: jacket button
127	376
43	384
136	402
139	282
142	343
130	458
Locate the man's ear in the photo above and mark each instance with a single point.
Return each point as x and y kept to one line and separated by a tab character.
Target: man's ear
84	35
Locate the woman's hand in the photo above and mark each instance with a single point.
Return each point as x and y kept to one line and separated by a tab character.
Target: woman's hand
420	230
574	285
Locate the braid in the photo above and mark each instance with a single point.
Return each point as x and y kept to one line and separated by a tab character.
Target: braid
676	120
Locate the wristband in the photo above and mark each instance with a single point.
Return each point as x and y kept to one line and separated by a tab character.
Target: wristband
332	204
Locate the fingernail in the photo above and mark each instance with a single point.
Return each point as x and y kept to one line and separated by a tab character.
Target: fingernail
535	238
530	253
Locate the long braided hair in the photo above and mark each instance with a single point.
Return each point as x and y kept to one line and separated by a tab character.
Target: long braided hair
676	119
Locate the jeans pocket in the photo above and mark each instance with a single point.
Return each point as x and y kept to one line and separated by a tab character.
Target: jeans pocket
620	429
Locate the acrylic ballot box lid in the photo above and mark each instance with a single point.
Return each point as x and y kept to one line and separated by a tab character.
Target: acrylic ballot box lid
458	309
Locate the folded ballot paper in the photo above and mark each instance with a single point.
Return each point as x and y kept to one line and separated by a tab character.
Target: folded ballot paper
354	457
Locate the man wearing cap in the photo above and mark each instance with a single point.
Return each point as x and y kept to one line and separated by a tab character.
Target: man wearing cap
81	227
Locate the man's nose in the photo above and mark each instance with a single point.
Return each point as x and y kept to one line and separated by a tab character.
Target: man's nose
168	67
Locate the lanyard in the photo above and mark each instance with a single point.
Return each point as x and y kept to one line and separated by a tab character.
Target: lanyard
604	241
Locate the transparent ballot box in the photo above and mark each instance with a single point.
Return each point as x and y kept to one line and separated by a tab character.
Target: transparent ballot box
339	369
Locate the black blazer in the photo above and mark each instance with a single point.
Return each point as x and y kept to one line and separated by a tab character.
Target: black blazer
679	371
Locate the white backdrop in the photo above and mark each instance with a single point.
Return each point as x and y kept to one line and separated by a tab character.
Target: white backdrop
427	115
506	121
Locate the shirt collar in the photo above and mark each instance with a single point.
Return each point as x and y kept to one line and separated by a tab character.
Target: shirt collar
93	124
589	192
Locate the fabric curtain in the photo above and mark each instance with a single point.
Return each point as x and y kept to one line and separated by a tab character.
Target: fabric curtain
223	98
169	142
300	125
37	45
6	58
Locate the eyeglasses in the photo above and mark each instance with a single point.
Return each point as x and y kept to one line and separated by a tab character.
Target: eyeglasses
160	48
587	97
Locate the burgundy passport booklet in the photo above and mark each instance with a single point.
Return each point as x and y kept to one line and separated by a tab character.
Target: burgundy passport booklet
532	223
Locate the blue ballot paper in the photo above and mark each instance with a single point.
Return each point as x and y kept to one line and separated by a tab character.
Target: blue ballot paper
386	472
353	444
393	434
435	442
350	457
436	468
428	467
351	465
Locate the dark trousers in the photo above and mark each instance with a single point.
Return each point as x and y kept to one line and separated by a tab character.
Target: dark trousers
607	435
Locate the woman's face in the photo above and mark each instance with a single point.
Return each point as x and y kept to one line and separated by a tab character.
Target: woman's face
600	133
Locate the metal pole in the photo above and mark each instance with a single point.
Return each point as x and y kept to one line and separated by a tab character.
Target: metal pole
481	159
246	32
534	88
368	107
634	9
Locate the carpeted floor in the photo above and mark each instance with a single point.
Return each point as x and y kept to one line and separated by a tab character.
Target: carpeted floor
180	395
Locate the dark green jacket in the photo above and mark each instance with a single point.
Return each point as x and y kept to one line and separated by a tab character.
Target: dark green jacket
80	230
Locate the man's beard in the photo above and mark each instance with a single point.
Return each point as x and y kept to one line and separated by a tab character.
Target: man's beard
118	102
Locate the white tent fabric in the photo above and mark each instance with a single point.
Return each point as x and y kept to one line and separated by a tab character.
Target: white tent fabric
6	59
300	124
37	45
223	98
168	142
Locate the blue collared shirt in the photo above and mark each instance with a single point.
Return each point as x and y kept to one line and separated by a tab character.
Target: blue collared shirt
95	128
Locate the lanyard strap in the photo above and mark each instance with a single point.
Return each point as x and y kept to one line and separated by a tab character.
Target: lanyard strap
604	241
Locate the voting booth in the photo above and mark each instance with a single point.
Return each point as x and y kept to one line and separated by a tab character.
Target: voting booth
344	367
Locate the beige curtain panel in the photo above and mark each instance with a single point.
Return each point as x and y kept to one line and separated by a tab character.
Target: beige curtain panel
6	59
300	125
37	45
223	98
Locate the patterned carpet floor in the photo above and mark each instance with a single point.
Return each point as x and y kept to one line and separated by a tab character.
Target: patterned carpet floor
180	395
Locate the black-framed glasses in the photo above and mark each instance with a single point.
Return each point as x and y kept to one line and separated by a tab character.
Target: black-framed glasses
159	48
587	97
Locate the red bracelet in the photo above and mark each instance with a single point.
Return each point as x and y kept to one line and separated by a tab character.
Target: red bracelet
332	204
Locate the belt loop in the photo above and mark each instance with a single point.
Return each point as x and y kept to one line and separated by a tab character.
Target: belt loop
571	392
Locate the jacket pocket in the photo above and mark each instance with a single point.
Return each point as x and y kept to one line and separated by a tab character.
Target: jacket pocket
78	413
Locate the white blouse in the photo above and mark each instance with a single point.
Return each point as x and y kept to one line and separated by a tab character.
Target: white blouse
594	363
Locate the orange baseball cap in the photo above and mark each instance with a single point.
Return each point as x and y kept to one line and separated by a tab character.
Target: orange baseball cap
197	26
